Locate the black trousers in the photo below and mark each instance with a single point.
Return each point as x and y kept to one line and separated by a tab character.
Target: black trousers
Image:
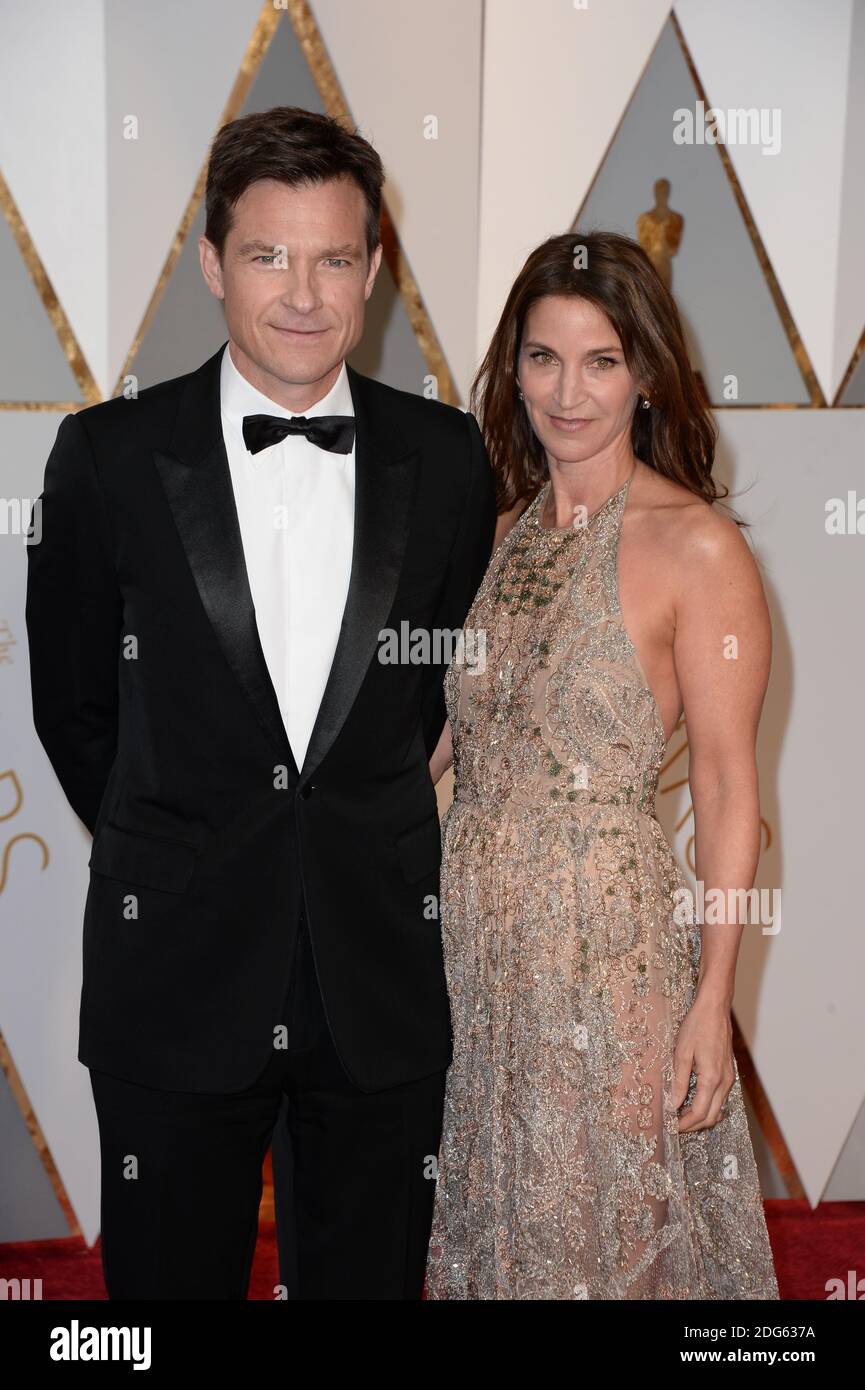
353	1184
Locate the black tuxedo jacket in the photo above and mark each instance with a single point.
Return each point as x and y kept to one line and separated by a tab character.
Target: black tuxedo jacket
153	701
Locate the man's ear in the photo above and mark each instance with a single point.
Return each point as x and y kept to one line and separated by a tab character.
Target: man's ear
374	263
211	267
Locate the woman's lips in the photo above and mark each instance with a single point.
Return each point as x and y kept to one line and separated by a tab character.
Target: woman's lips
569	426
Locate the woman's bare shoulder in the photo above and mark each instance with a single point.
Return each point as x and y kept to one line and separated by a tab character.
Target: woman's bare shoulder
711	564
693	529
696	546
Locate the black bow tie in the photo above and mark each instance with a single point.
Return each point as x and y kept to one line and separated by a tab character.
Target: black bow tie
332	432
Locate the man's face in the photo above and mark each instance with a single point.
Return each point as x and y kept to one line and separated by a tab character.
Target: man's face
294	277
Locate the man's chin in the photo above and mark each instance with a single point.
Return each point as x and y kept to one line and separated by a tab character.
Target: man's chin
299	365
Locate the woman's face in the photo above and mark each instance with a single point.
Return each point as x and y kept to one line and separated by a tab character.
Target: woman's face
579	394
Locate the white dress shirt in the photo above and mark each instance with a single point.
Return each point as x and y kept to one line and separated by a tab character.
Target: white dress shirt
295	505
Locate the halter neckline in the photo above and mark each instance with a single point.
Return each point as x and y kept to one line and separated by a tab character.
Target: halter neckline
543	494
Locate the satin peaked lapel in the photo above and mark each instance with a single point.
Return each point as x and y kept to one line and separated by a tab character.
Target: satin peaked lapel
197	483
385	478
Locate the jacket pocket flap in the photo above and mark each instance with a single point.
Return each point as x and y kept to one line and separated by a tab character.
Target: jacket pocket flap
147	860
419	849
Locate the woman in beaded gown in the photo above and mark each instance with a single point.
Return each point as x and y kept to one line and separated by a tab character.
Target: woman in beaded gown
563	1171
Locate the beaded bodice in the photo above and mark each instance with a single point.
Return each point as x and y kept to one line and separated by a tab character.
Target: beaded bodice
557	710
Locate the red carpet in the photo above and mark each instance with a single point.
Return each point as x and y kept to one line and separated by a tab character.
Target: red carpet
810	1247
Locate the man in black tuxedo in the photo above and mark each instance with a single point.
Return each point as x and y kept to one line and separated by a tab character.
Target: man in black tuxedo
261	923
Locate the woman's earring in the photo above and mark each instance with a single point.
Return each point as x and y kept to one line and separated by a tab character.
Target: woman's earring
647	405
520	394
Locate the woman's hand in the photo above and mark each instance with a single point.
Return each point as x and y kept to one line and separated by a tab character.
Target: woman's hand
704	1045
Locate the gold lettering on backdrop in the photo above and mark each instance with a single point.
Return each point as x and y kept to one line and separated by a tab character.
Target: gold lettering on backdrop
7	642
19	796
25	835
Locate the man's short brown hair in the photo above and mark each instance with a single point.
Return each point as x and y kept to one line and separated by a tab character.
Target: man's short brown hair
295	147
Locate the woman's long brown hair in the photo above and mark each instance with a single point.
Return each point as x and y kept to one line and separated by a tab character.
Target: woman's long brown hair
676	436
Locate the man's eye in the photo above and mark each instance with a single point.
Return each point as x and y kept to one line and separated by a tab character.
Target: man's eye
265	258
333	260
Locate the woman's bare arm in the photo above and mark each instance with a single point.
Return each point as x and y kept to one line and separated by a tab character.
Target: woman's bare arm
722	651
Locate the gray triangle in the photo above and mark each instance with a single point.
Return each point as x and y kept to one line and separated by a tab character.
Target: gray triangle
29	1209
33	366
730	317
188	324
847	1183
771	1182
854	392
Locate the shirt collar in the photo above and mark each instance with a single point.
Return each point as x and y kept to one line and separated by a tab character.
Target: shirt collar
238	397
